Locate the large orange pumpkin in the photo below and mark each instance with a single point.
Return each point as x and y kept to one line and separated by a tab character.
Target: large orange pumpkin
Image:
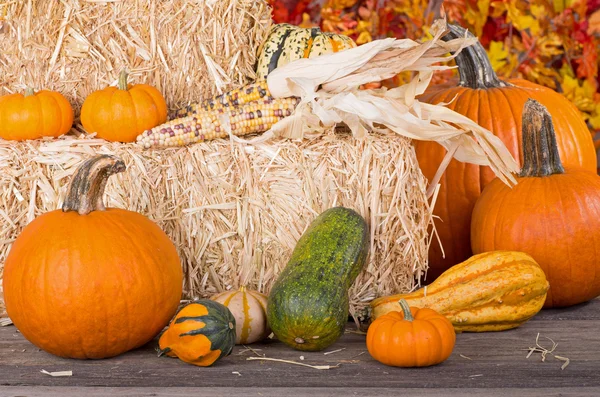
121	113
34	115
90	282
552	214
496	105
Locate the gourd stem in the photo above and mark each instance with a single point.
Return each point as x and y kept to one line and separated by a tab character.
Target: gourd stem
540	152
29	92
406	310
474	66
86	189
123	80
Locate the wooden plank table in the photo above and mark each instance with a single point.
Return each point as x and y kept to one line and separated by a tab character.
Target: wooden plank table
486	364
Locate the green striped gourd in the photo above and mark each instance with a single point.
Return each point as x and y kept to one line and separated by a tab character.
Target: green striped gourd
287	43
201	333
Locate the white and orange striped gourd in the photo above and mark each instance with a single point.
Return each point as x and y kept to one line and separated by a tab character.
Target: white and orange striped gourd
250	311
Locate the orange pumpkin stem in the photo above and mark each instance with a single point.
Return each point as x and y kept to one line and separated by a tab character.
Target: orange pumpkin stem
86	189
474	66
123	80
29	92
540	151
406	310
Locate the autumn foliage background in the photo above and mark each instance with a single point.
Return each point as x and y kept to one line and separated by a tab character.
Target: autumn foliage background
554	43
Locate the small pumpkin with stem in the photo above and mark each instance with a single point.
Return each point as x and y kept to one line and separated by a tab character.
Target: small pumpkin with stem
552	214
34	115
120	114
411	338
87	281
496	105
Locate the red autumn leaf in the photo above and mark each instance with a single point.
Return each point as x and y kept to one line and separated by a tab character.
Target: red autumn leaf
587	65
280	13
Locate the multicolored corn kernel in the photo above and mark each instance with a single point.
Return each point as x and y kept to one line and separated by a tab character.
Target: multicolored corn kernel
231	99
254	117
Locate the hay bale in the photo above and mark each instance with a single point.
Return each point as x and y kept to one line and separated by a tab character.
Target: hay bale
235	211
185	48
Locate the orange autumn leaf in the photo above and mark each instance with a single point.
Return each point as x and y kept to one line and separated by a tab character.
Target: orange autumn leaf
594	23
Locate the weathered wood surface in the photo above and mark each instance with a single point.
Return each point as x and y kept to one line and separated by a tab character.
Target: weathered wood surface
45	391
484	364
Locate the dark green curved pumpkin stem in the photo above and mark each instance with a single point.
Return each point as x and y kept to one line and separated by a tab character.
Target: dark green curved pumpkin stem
86	189
474	66
540	152
406	310
29	92
123	80
162	352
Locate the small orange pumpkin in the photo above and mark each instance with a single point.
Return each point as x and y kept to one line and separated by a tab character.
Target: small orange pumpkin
120	114
250	311
413	338
88	281
34	115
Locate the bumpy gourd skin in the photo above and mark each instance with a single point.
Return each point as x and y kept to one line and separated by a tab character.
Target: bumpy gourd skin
308	304
492	291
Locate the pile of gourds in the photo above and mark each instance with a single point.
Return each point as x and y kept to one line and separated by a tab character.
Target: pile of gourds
537	244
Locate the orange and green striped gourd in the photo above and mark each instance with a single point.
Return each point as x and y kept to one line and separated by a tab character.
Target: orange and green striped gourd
201	333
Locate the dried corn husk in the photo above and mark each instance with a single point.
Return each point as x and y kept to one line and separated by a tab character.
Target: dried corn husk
327	86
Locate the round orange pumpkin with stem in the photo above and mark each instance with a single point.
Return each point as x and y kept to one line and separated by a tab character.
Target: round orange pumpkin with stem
552	214
496	105
411	338
121	113
34	115
87	281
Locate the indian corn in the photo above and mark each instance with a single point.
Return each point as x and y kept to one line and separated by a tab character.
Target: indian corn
233	98
254	117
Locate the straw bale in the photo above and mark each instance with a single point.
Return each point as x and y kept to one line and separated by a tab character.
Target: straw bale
235	210
188	49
